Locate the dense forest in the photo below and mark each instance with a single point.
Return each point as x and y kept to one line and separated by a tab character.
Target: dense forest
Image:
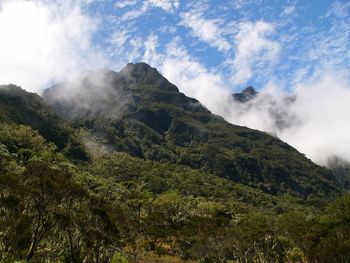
160	180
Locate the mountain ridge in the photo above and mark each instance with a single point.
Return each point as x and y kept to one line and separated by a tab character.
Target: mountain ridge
157	122
139	112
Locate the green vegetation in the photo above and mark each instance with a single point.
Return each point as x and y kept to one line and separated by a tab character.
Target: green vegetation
123	209
20	107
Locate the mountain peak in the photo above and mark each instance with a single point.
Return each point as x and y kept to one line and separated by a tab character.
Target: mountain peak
137	66
245	95
142	73
249	91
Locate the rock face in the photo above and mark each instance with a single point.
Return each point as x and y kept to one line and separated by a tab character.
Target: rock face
140	112
247	94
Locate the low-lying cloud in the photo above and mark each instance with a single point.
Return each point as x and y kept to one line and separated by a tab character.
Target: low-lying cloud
96	94
314	118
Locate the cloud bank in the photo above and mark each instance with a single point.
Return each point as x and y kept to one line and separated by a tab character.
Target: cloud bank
43	42
315	119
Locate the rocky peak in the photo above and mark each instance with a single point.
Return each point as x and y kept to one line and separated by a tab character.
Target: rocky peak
245	95
249	91
143	74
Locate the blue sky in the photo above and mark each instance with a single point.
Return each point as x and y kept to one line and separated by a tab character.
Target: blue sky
245	42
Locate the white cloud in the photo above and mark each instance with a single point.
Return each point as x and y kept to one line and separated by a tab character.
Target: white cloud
133	14
339	8
252	46
126	3
313	119
194	79
151	55
323	107
166	5
207	30
119	38
134	52
288	10
190	76
43	42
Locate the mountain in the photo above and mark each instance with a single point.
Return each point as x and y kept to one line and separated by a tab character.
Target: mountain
140	112
245	95
122	167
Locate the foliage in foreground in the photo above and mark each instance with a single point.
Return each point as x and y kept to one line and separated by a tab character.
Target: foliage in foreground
119	209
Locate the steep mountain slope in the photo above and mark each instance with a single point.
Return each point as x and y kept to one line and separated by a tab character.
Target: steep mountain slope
20	107
139	112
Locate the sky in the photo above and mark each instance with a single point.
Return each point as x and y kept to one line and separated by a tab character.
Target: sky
209	49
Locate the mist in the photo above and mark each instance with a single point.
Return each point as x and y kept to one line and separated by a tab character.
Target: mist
97	93
314	117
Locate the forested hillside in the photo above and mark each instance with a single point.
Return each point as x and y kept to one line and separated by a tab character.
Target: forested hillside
122	209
